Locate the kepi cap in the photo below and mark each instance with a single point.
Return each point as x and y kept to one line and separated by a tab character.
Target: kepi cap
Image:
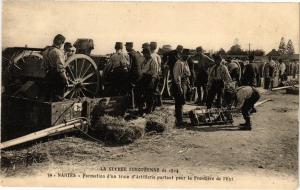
146	50
129	44
179	47
153	45
119	45
185	52
199	48
146	45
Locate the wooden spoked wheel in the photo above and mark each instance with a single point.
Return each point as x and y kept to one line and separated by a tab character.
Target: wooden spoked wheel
83	77
168	84
27	63
162	82
21	67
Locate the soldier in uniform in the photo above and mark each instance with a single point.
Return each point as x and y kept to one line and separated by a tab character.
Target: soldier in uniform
251	74
234	70
218	79
171	57
203	62
282	71
135	70
145	45
135	61
56	79
149	80
116	72
153	47
181	73
268	73
68	50
244	98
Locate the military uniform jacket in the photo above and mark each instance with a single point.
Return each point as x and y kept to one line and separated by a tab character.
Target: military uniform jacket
54	59
251	75
136	61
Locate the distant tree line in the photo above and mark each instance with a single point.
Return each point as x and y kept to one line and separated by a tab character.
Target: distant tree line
283	49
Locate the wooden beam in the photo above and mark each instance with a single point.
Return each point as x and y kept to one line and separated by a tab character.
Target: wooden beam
262	102
42	133
281	88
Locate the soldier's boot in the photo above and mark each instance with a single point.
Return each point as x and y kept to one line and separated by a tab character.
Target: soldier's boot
178	115
247	125
253	110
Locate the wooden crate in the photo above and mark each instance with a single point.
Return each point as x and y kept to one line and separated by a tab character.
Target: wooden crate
21	116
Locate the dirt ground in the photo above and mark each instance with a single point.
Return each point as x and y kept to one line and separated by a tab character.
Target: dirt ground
267	154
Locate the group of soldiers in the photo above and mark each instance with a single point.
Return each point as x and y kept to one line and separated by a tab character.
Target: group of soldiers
214	79
281	69
135	73
218	82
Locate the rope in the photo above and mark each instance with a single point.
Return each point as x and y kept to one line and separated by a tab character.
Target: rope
89	136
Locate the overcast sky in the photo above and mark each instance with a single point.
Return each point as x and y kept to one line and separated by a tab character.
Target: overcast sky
211	25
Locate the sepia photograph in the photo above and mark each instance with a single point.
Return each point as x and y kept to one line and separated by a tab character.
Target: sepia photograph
149	94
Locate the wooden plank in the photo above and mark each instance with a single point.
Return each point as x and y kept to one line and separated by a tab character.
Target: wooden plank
42	133
281	88
262	102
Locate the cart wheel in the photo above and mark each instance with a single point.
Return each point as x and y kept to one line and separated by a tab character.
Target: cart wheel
168	84
83	76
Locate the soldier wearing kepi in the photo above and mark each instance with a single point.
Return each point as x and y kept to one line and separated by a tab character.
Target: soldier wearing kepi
171	57
135	71
56	78
149	80
244	98
116	72
251	75
135	61
218	79
181	73
145	45
153	46
203	63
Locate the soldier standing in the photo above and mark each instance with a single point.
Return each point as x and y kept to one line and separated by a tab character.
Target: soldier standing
135	61
153	47
116	72
251	75
181	73
203	62
218	79
268	73
56	78
149	80
282	71
171	57
135	71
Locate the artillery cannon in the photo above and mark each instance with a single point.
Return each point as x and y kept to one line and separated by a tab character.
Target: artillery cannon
24	71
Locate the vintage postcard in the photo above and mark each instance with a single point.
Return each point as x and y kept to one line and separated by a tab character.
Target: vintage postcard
149	94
